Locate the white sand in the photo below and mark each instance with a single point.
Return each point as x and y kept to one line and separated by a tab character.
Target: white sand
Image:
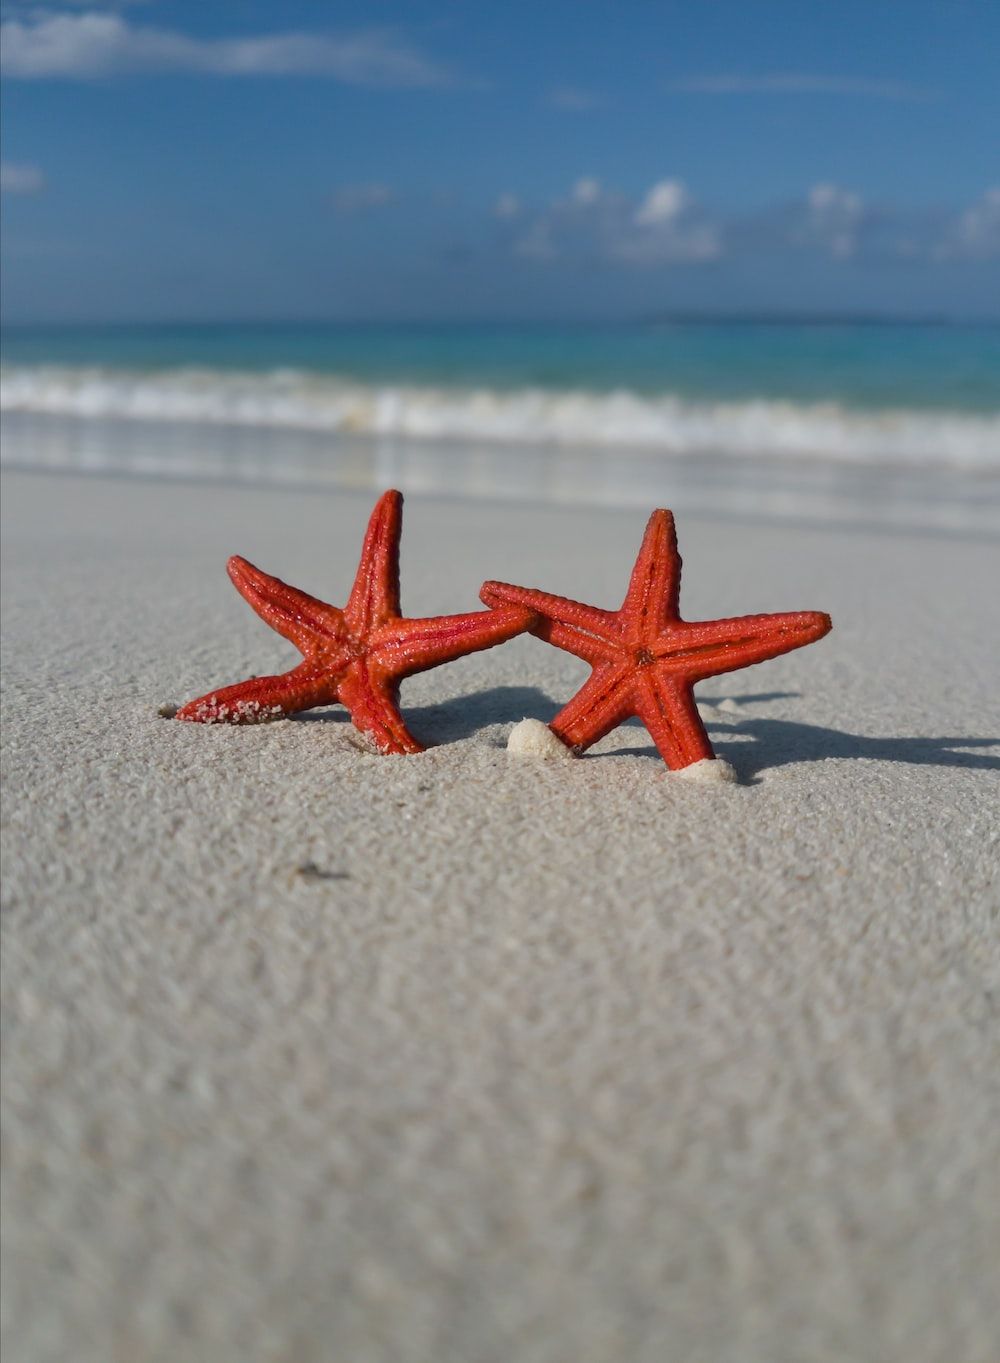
322	1057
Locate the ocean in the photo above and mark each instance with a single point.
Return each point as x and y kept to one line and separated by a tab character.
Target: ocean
811	418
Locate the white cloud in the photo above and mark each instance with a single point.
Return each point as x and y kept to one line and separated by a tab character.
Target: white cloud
351	199
830	220
664	201
665	227
837	222
507	206
976	234
19	179
696	243
87	46
586	191
799	83
573	99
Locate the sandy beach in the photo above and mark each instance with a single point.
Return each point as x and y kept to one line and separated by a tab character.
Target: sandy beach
317	1056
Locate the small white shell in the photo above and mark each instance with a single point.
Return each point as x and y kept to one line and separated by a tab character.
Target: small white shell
532	738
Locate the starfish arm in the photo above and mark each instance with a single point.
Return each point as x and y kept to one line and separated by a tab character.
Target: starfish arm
263	698
654	587
298	617
403	647
375	595
667	708
373	703
601	704
585	631
708	648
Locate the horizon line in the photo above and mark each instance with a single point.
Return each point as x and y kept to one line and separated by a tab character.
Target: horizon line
680	317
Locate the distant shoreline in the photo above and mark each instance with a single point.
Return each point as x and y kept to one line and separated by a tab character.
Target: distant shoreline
664	319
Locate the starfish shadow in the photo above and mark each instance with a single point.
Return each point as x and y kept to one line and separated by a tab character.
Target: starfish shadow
449	721
327	714
783	742
748	698
752	745
758	697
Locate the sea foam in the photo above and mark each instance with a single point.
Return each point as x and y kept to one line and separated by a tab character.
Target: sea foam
664	423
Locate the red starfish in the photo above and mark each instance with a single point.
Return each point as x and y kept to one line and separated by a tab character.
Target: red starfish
357	655
646	659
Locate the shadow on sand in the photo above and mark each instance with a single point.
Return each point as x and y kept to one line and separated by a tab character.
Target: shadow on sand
450	721
755	744
782	742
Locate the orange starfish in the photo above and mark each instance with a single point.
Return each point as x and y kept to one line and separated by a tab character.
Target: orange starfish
646	659
357	655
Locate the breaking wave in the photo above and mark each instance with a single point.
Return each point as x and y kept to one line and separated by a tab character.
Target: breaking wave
665	423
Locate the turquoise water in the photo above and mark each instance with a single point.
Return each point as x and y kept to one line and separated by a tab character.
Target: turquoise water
905	397
856	365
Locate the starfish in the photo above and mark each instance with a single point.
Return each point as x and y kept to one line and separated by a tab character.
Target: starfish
356	656
645	658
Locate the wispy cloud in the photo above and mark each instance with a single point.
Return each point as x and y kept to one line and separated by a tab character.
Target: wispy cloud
349	200
40	8
800	83
89	46
573	99
35	8
20	179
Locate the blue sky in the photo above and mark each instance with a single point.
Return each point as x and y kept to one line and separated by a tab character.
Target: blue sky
166	159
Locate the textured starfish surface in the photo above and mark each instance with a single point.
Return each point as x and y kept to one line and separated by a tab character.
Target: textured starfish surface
356	656
645	658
